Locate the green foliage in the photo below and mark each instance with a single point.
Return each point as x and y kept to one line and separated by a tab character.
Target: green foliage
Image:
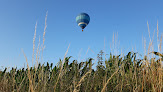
133	75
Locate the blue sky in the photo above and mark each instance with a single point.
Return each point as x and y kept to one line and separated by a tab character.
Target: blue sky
128	18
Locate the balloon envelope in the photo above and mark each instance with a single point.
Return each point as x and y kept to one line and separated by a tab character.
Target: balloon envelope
83	20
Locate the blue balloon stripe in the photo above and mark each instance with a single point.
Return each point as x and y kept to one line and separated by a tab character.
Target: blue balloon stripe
83	17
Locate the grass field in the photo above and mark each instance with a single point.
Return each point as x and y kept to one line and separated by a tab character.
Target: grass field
117	73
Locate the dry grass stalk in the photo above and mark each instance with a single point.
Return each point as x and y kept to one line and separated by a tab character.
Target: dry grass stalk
161	67
20	85
148	31
153	74
34	43
157	36
37	54
159	50
61	69
103	89
44	34
29	74
82	79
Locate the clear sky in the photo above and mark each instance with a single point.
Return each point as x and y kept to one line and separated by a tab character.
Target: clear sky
128	18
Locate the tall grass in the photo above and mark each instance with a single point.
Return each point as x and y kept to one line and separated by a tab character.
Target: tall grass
117	73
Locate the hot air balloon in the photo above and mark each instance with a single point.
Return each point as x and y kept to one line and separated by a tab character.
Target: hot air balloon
83	20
